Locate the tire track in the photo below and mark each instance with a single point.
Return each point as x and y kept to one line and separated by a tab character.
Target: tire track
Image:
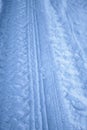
35	74
41	89
38	116
53	114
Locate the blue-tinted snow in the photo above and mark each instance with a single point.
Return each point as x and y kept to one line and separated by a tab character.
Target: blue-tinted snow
43	65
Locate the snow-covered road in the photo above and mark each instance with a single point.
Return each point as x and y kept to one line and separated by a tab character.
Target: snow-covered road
43	65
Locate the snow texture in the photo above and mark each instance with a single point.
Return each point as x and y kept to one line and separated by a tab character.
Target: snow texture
43	65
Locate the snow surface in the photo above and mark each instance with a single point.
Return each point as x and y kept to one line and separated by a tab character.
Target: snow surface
43	65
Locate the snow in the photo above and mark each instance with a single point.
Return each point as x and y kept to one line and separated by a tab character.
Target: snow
43	65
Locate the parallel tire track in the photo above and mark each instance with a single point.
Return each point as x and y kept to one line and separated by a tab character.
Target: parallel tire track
40	77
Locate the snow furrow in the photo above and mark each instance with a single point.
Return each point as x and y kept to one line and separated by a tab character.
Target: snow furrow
40	80
38	116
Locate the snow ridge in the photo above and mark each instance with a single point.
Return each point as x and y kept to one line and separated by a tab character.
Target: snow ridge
70	84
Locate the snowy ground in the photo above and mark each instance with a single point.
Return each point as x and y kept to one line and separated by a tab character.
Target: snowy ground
43	65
